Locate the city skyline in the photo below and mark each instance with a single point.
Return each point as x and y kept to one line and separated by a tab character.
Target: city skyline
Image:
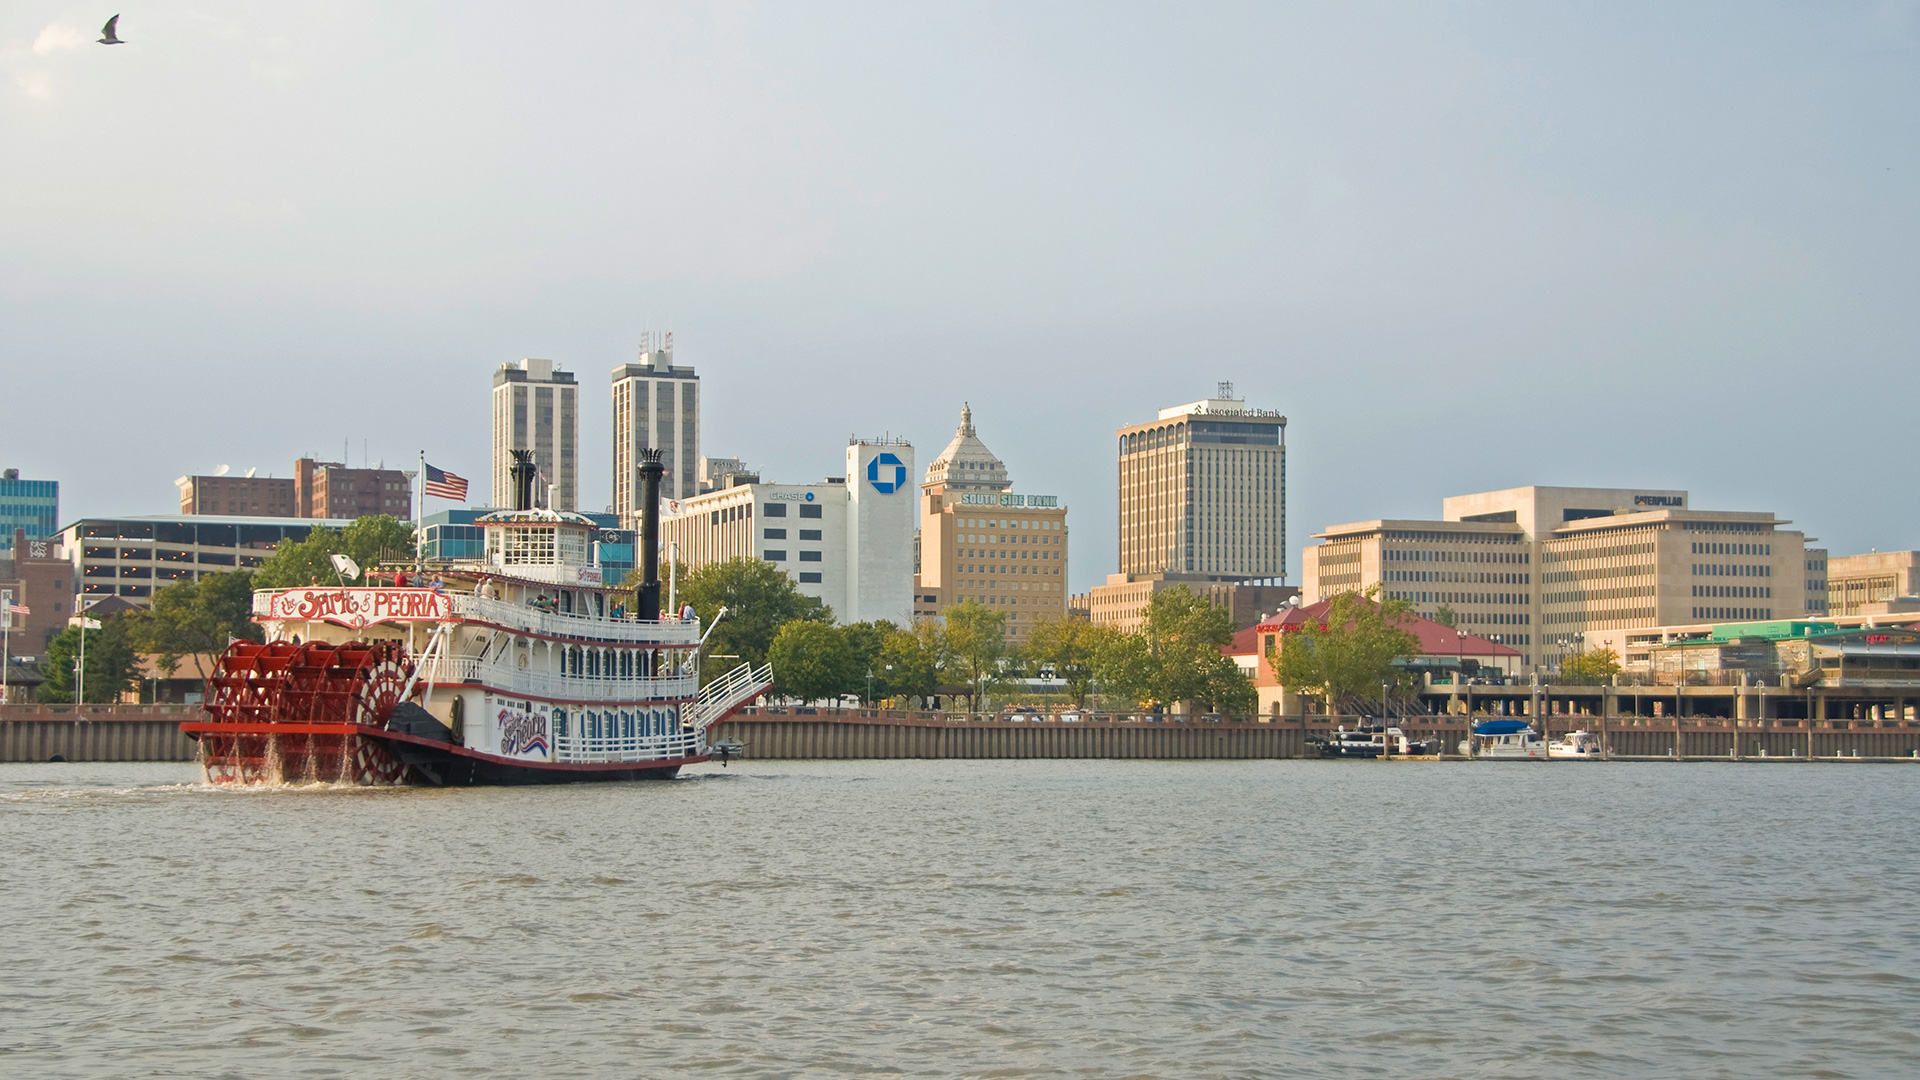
1462	250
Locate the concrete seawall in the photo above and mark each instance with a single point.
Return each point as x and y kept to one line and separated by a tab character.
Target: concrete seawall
152	733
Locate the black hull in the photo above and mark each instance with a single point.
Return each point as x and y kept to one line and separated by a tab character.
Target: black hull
435	767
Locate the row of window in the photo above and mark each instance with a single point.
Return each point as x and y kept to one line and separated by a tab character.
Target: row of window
781	534
1732	613
1497	618
1704	547
780	555
1732	570
772	510
1420	555
1750	591
1480	577
167	532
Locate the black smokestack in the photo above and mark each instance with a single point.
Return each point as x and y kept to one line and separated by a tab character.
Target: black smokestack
522	474
646	600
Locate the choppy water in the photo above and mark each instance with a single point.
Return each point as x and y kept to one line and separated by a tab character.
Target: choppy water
1003	919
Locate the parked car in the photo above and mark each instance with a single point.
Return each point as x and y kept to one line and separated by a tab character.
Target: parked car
1069	718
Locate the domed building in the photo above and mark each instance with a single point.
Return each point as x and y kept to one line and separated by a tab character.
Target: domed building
982	541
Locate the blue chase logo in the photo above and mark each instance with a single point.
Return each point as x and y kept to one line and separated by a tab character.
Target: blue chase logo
886	473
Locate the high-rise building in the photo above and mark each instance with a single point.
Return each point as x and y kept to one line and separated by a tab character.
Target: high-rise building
29	505
1538	567
536	407
655	404
982	541
1203	490
847	540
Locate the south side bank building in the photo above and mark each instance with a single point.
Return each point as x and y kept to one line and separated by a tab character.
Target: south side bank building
847	540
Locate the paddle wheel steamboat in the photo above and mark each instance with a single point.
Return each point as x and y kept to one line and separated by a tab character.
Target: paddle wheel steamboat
521	668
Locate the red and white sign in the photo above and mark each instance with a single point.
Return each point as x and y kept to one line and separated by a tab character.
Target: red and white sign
357	607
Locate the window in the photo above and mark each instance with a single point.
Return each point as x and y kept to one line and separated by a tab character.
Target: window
809	511
208	558
774	555
810	579
774	510
809	534
809	556
774	534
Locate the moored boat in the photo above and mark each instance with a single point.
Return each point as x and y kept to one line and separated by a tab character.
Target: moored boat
523	667
1575	746
1506	740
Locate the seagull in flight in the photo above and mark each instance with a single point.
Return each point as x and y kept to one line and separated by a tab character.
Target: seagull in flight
110	37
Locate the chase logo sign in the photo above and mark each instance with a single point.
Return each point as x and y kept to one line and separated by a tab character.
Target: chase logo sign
886	473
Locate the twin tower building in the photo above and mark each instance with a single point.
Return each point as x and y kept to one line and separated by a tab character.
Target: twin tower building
860	542
1202	501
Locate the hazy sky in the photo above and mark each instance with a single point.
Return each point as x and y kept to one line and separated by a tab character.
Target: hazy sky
1462	248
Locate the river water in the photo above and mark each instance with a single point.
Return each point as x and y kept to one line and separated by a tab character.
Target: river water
971	919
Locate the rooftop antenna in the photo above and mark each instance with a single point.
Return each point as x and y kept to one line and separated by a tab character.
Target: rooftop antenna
251	471
222	470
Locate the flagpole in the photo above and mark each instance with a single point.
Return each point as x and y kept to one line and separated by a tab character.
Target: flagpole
420	520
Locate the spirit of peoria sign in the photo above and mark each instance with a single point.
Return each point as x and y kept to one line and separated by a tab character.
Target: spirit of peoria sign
355	607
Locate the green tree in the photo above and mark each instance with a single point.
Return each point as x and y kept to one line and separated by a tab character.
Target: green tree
759	598
1446	616
912	658
112	663
1347	654
1123	665
867	640
1590	668
368	541
1070	650
811	660
976	643
1185	633
195	619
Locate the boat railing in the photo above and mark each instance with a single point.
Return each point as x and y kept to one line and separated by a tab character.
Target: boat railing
727	693
570	625
444	670
581	749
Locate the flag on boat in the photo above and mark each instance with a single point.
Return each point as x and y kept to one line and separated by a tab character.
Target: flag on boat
445	485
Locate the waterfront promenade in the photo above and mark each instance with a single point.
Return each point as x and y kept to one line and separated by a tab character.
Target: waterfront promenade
152	733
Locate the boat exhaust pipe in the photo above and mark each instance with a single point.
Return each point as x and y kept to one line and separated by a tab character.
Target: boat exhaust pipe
646	599
522	474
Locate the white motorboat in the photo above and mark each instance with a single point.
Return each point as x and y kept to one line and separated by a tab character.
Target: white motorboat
1576	746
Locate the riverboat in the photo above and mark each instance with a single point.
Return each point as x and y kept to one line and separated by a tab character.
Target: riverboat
1506	740
1575	746
523	667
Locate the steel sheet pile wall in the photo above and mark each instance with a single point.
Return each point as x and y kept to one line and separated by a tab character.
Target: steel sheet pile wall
99	733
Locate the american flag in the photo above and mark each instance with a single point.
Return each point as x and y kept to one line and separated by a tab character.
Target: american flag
445	485
18	609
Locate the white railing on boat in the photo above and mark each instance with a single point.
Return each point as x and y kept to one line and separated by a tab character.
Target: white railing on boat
727	693
442	670
560	624
576	749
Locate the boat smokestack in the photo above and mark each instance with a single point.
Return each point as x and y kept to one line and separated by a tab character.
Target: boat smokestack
646	600
521	473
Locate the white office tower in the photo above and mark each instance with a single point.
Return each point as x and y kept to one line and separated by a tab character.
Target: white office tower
882	509
537	407
655	405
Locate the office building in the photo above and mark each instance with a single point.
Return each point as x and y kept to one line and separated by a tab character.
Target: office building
847	540
982	541
1203	490
1123	601
1538	567
1855	583
35	574
245	496
32	506
536	407
328	489
657	405
130	557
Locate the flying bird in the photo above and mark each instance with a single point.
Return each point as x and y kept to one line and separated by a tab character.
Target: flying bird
111	38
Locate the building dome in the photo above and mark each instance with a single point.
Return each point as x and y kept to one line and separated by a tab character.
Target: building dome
966	464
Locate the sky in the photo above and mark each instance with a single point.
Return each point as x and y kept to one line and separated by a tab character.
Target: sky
1463	247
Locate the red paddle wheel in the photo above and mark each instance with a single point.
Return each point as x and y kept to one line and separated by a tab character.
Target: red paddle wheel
286	713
